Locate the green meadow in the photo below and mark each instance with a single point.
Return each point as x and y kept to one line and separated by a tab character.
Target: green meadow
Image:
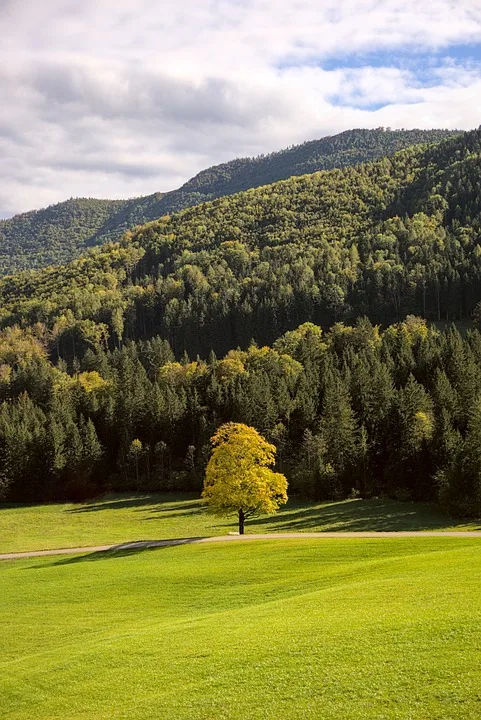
120	518
350	629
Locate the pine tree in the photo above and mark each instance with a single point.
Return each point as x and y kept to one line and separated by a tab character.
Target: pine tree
339	431
410	429
460	478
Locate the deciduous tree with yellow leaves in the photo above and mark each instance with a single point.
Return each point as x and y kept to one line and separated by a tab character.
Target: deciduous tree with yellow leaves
239	477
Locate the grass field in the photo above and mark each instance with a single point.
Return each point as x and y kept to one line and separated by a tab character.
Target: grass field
345	629
117	519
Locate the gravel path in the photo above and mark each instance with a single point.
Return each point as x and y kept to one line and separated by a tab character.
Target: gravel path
143	544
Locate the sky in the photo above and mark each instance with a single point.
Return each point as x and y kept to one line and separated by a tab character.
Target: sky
120	98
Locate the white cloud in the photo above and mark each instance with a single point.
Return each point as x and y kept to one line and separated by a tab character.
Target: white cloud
110	98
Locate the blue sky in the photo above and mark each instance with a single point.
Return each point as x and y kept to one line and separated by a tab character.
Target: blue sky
424	68
415	59
118	99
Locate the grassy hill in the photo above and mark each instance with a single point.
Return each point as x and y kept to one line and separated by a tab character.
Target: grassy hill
61	232
359	630
125	518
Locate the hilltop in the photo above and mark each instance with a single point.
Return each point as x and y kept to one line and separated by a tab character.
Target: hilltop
61	232
395	236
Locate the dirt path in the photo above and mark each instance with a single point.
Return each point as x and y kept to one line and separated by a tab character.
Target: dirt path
144	544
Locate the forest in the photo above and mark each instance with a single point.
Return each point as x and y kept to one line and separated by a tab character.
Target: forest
385	239
354	412
62	232
302	308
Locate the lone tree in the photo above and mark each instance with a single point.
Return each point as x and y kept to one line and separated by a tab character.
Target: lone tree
238	476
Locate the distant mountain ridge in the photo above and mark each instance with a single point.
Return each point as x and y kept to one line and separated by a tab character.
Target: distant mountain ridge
383	239
61	232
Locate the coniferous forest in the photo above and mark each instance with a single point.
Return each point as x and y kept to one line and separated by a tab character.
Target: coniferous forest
303	308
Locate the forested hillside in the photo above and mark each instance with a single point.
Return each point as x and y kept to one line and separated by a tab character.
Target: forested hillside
352	412
337	151
384	239
116	369
61	232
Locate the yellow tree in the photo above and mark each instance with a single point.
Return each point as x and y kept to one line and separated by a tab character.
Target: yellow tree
239	477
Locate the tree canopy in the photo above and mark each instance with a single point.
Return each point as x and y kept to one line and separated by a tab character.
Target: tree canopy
355	410
239	476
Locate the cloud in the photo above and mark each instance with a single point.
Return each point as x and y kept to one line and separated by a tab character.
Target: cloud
114	100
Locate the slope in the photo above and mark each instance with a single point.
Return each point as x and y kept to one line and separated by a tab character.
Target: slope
61	232
400	235
58	233
347	629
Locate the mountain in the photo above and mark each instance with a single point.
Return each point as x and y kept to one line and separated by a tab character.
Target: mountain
61	232
396	236
100	390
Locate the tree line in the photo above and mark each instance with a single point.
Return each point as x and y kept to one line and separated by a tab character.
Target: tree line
117	368
357	411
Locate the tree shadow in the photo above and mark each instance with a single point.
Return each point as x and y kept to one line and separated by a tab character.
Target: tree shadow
16	505
120	551
185	509
356	516
174	513
164	503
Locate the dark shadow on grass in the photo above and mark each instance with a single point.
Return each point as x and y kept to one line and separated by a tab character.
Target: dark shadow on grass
199	510
185	508
121	551
355	516
141	501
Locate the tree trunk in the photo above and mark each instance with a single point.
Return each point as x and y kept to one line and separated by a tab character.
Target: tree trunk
147	463
241	521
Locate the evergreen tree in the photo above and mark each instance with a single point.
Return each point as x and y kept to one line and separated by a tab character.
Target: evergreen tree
339	432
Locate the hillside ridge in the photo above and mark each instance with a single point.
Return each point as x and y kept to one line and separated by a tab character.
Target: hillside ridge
384	239
61	232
